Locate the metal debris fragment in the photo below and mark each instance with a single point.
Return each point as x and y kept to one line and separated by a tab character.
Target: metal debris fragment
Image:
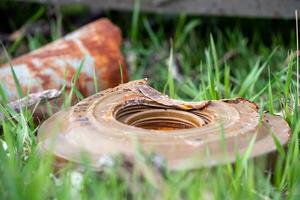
32	100
96	44
187	135
35	98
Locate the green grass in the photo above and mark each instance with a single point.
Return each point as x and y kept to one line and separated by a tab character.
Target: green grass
186	58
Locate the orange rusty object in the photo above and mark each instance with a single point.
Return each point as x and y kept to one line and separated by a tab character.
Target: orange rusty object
54	65
188	135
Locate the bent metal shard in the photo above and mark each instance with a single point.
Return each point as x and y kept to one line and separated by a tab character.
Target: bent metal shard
186	134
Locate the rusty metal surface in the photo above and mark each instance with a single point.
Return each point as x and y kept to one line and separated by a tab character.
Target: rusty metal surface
252	8
54	65
187	135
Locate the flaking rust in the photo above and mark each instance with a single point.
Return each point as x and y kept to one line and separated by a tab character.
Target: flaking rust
186	134
96	44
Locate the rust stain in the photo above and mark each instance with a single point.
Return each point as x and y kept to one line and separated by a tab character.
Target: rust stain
97	43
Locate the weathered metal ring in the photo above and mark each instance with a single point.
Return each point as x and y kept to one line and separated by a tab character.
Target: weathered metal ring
188	135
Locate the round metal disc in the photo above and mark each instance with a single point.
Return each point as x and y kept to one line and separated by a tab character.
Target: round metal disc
187	135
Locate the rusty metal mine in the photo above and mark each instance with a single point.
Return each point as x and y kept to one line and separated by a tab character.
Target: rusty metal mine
187	135
53	66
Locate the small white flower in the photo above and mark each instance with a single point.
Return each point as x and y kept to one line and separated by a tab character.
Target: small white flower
158	161
4	145
76	179
105	161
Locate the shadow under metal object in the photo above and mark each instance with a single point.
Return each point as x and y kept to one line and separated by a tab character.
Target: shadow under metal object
186	134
